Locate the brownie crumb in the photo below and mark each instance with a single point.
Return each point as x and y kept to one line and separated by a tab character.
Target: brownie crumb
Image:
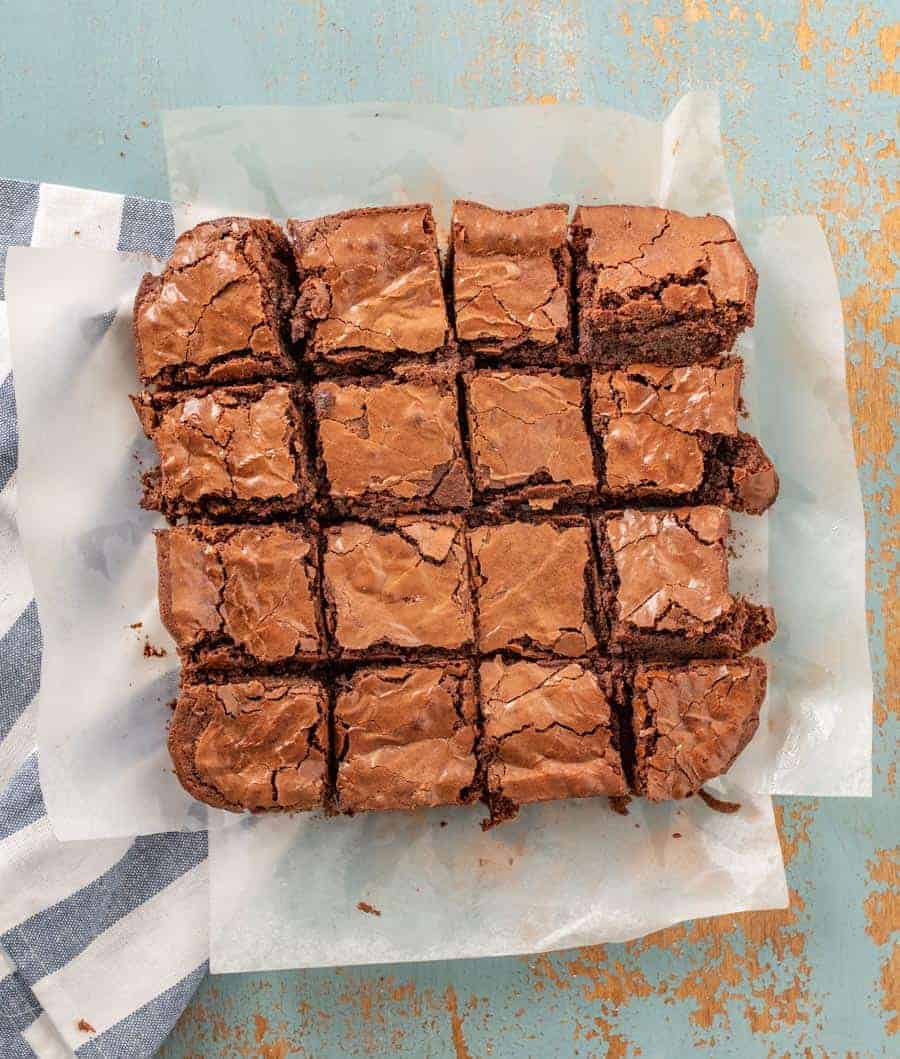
136	625
676	834
84	1026
151	651
619	803
717	804
370	910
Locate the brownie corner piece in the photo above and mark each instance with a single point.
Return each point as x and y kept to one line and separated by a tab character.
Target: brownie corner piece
511	279
656	285
691	721
370	289
255	744
405	737
665	587
219	311
550	731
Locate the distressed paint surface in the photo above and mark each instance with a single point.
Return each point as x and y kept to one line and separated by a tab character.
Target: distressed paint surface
809	118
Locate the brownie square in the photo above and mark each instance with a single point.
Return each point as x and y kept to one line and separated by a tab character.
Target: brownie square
665	585
370	288
219	312
692	721
405	738
230	453
549	732
534	584
256	744
398	589
655	285
391	445
528	437
671	434
512	273
234	597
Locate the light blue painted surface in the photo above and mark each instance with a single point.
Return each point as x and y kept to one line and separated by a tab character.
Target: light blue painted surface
808	120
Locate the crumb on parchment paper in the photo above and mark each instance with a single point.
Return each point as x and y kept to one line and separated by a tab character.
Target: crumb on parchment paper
370	910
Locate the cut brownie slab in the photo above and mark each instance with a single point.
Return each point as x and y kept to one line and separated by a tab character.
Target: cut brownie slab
671	434
528	438
257	744
692	721
398	589
220	310
511	280
370	288
238	596
655	285
405	738
549	732
228	453
391	445
665	585
534	584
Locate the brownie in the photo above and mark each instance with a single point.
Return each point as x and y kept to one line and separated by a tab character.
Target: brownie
534	584
257	744
220	310
234	597
512	274
671	434
692	721
370	289
528	437
404	737
391	445
657	285
549	732
398	589
665	585
228	453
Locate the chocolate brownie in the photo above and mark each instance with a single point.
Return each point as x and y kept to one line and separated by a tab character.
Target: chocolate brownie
398	589
512	273
370	288
528	437
257	744
657	285
534	586
671	433
228	453
391	445
692	721
665	585
234	597
404	737
549	732
220	310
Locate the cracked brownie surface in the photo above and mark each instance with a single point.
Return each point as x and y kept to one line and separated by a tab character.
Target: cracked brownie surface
405	737
370	290
692	721
219	311
657	285
257	744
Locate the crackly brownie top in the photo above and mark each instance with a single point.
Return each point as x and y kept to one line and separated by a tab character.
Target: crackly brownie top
531	586
405	737
510	274
692	721
370	280
672	568
648	416
404	583
229	443
397	440
527	427
548	731
258	744
692	263
253	585
216	310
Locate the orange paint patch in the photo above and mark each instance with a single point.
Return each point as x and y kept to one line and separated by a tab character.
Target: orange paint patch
260	1027
695	10
793	820
456	1023
612	984
890	990
882	907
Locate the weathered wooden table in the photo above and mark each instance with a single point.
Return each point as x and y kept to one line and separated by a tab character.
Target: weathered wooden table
809	115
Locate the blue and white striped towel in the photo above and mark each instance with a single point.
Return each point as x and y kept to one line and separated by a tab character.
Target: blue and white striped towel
102	944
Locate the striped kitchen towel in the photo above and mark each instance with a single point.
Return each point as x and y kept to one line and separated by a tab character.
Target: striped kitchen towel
102	944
